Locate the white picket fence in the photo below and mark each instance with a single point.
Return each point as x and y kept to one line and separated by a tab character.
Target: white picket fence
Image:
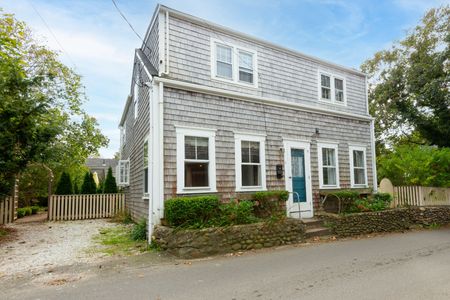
79	207
421	196
7	209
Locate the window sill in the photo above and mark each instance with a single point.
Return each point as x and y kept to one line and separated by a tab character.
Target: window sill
359	186
344	104
196	191
251	189
329	187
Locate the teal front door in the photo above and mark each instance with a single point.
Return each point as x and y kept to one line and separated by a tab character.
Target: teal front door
298	175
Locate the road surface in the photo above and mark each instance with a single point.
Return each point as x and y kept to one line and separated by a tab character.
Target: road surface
414	265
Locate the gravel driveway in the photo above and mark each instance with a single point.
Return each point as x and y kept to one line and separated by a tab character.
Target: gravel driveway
42	246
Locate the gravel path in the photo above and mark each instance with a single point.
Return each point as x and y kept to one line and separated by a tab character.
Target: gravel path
46	245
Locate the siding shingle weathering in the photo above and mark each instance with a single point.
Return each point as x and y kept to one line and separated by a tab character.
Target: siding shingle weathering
282	75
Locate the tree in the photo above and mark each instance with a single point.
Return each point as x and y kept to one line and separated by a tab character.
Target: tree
409	85
76	188
64	185
41	119
110	183
89	186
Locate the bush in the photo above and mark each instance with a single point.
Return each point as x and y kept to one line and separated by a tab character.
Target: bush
89	186
235	213
139	231
21	212
385	197
64	186
110	185
191	211
34	209
270	203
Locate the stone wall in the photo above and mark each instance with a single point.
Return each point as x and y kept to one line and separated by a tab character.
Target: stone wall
192	243
399	219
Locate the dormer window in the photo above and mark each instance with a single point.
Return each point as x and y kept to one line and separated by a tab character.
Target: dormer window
233	64
331	88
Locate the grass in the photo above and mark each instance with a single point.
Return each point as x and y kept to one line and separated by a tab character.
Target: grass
118	241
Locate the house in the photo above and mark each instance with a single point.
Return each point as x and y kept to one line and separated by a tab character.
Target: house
216	111
101	166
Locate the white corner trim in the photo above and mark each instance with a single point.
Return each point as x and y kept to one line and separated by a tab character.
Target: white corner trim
320	146
167	39
181	132
374	154
256	99
352	175
238	138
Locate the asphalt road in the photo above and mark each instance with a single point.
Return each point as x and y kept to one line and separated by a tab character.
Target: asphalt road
414	265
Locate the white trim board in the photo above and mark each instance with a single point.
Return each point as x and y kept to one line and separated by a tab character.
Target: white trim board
255	99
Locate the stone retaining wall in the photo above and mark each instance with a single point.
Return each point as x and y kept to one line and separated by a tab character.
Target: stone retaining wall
192	243
399	219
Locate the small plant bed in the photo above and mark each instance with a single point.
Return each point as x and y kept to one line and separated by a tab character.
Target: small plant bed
28	211
207	211
119	240
349	201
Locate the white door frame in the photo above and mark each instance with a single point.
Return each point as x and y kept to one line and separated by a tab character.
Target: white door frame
306	208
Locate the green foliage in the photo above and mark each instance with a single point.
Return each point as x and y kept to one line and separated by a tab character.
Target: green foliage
416	165
21	212
191	211
100	187
139	231
270	203
41	116
26	211
385	197
34	209
64	186
367	205
89	186
408	85
123	217
280	194
234	213
76	188
110	183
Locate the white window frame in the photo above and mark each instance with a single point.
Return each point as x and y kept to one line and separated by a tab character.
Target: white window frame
328	145
332	99
238	138
181	132
234	62
124	165
146	195
352	175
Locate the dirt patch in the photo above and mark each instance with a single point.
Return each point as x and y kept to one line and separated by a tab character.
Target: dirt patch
7	234
42	246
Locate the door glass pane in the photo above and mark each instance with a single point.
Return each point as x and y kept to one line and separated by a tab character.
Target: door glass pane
297	167
196	174
251	175
358	158
359	176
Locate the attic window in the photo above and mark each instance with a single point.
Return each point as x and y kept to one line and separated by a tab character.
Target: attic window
331	88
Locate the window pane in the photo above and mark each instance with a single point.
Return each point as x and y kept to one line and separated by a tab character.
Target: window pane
359	176
254	152
325	80
358	158
326	93
328	157
246	60
196	174
245	76
251	175
145	153
224	70
189	147
329	176
202	148
339	96
146	180
245	151
224	54
339	84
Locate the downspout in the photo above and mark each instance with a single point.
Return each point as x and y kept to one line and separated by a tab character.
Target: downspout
374	159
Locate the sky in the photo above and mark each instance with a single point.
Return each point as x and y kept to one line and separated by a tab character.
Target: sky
93	39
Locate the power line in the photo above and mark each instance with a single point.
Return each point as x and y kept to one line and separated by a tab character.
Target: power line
54	36
126	20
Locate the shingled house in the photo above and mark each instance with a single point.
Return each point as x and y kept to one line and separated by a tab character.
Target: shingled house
216	111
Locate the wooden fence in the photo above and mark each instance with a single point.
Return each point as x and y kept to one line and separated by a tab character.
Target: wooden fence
79	207
421	196
7	210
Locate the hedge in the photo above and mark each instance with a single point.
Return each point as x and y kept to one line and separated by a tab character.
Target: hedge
191	211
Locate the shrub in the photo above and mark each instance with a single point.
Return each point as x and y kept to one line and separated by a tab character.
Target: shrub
367	204
28	211
235	213
34	209
89	186
110	185
139	231
21	212
270	203
385	197
191	211
64	186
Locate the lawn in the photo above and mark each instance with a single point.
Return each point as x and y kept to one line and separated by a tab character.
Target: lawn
118	240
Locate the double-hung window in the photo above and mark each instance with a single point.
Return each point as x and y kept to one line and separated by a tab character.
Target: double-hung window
331	88
145	167
196	165
328	165
124	172
358	167
250	162
233	63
